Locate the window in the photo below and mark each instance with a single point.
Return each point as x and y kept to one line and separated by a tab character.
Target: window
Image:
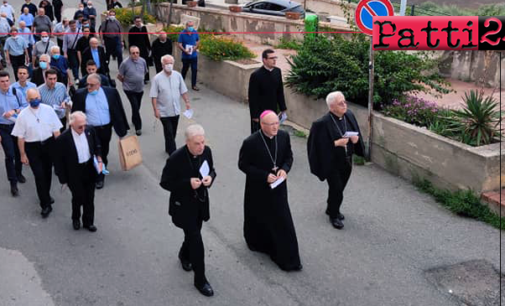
260	6
276	7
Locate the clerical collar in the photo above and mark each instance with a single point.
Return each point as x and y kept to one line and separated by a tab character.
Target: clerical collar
269	69
269	137
339	118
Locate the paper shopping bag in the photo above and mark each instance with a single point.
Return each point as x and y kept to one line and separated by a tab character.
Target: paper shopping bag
129	152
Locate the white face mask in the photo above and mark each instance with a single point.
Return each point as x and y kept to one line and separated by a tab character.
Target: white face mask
112	17
45	39
90	6
168	67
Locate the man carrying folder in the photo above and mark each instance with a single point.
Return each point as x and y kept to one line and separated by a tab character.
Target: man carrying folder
78	165
333	139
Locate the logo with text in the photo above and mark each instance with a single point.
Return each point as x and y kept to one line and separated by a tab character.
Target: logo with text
463	33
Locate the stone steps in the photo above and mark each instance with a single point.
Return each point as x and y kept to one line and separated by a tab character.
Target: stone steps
492	199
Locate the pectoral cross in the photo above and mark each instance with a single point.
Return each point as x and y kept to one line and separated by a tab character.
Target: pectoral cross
275	168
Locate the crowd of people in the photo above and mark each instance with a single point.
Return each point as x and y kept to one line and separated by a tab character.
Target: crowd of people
69	77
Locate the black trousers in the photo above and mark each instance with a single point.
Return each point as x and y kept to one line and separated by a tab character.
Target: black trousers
169	131
135	99
104	134
64	123
73	63
83	193
16	61
254	126
40	157
113	47
13	163
337	181
192	250
186	63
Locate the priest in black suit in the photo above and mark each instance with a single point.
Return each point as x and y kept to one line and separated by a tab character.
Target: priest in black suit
95	53
137	36
266	90
330	153
266	158
187	180
104	111
77	149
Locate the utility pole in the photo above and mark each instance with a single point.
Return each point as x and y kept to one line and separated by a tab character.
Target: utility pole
403	7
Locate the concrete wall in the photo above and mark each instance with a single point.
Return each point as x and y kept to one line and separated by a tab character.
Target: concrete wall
481	67
229	78
412	152
254	27
331	7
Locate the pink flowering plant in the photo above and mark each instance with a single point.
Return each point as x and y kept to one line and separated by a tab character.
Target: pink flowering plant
413	110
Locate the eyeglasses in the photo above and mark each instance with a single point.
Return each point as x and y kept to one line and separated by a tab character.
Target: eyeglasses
80	127
135	52
271	124
92	85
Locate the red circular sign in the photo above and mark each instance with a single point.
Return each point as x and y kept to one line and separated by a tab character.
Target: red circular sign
365	11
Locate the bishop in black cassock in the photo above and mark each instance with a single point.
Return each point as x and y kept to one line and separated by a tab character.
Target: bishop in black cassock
266	156
330	154
189	200
266	90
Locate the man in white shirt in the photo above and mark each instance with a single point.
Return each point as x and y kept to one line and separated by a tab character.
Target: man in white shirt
79	170
166	90
8	10
36	128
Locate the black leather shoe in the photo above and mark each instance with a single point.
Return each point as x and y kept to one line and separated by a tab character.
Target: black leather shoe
21	178
298	268
186	265
76	224
14	190
99	184
46	211
340	217
90	228
205	289
138	132
336	223
51	201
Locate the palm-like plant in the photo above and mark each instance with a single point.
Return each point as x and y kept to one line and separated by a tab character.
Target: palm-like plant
478	120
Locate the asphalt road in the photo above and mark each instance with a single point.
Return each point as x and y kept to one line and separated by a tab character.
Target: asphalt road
392	235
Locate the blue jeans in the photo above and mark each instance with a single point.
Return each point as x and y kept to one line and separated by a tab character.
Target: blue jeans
186	62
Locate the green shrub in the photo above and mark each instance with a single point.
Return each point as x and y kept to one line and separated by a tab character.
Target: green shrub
125	16
173	32
413	110
477	123
224	48
325	64
289	44
464	203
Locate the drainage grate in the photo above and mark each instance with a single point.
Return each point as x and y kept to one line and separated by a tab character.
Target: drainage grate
472	283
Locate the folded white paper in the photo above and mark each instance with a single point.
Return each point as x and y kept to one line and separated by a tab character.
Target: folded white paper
277	182
349	134
204	169
188	113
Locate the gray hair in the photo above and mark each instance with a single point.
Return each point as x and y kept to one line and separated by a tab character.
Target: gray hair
45	56
55	48
194	130
96	77
75	115
167	56
335	96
